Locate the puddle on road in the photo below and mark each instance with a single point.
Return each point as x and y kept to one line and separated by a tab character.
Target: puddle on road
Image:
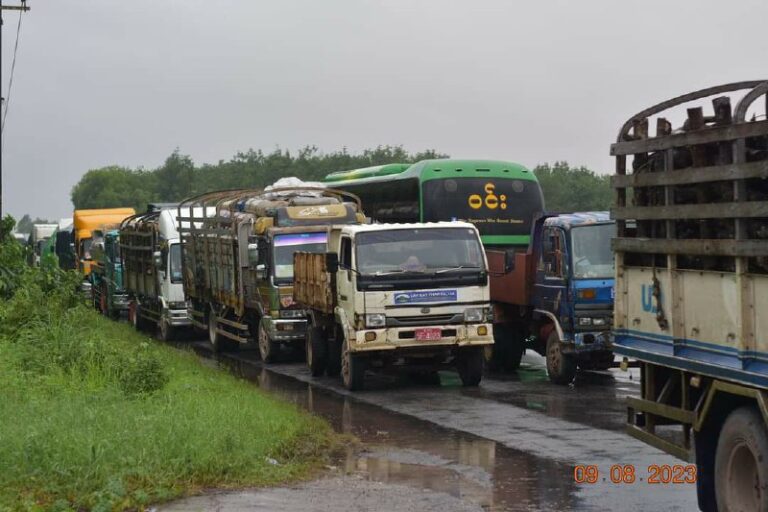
399	449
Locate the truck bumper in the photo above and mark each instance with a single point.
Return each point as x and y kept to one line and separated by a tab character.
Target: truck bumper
285	330
398	338
178	318
588	342
120	302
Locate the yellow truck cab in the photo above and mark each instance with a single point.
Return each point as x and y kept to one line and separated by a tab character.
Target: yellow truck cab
86	222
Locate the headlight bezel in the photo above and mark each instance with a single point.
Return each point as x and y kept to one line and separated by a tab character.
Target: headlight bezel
292	314
375	320
474	315
588	321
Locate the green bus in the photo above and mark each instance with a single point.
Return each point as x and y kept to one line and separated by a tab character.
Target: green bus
500	198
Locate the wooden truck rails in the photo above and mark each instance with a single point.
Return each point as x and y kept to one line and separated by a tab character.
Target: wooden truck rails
237	261
692	285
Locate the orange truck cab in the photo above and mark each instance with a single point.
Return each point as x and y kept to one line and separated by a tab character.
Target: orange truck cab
86	223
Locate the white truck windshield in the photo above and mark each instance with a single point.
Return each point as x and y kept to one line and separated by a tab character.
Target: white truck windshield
286	245
423	250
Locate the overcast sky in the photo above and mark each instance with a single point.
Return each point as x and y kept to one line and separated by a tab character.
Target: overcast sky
125	82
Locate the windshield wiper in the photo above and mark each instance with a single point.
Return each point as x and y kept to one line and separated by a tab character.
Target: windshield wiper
398	271
451	269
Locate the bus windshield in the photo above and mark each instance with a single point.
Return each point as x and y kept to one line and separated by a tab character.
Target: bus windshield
592	256
498	207
433	250
286	245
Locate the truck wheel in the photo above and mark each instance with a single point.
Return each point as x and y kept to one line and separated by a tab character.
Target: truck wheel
134	315
333	362
469	364
352	369
561	368
268	348
508	347
741	462
317	351
167	332
103	302
218	342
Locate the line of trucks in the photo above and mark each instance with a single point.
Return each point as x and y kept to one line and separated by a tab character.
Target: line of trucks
677	280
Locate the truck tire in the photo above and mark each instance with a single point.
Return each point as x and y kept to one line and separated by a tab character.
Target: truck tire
134	315
333	362
317	351
741	462
268	349
352	369
469	364
218	342
508	347
167	332
103	307
561	367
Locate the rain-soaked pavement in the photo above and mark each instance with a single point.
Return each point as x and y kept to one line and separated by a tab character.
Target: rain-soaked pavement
509	445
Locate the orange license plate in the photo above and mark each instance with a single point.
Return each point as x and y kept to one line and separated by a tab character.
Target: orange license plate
428	334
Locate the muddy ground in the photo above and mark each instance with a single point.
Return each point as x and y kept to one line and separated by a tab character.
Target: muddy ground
510	445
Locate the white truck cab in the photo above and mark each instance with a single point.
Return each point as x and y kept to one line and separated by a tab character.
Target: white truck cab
413	295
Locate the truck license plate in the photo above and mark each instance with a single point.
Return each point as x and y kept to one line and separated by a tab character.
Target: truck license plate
429	334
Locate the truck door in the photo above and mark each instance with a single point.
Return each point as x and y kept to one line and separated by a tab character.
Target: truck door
551	275
345	282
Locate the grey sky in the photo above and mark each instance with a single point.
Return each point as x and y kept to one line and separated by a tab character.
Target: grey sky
125	82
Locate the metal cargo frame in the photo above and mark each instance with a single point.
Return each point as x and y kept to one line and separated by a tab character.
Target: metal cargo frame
698	238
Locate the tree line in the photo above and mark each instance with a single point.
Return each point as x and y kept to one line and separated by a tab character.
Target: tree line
565	188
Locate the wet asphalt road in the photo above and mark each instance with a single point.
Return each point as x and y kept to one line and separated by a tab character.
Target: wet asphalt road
509	445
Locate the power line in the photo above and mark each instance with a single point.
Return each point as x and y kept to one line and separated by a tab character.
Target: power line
13	68
22	9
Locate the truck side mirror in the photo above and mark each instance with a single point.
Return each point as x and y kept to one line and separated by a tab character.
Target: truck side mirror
157	256
332	262
509	261
253	255
261	271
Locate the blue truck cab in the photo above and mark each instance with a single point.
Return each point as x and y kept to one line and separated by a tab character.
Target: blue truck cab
107	292
573	292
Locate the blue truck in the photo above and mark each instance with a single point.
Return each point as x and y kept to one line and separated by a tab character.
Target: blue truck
106	278
692	287
557	296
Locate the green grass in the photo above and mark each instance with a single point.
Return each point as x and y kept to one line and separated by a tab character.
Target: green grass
95	416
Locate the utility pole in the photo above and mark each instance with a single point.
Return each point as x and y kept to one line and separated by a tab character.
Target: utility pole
22	8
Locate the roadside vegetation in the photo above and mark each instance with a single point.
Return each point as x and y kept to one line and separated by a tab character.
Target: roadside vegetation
94	416
565	188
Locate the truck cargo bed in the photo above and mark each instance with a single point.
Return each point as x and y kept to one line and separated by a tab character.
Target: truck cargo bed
692	246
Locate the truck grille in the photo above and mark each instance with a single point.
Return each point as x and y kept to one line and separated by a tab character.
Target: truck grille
401	321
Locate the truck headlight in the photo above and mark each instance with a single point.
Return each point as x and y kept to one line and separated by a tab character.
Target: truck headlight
585	321
375	320
474	315
599	321
292	313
